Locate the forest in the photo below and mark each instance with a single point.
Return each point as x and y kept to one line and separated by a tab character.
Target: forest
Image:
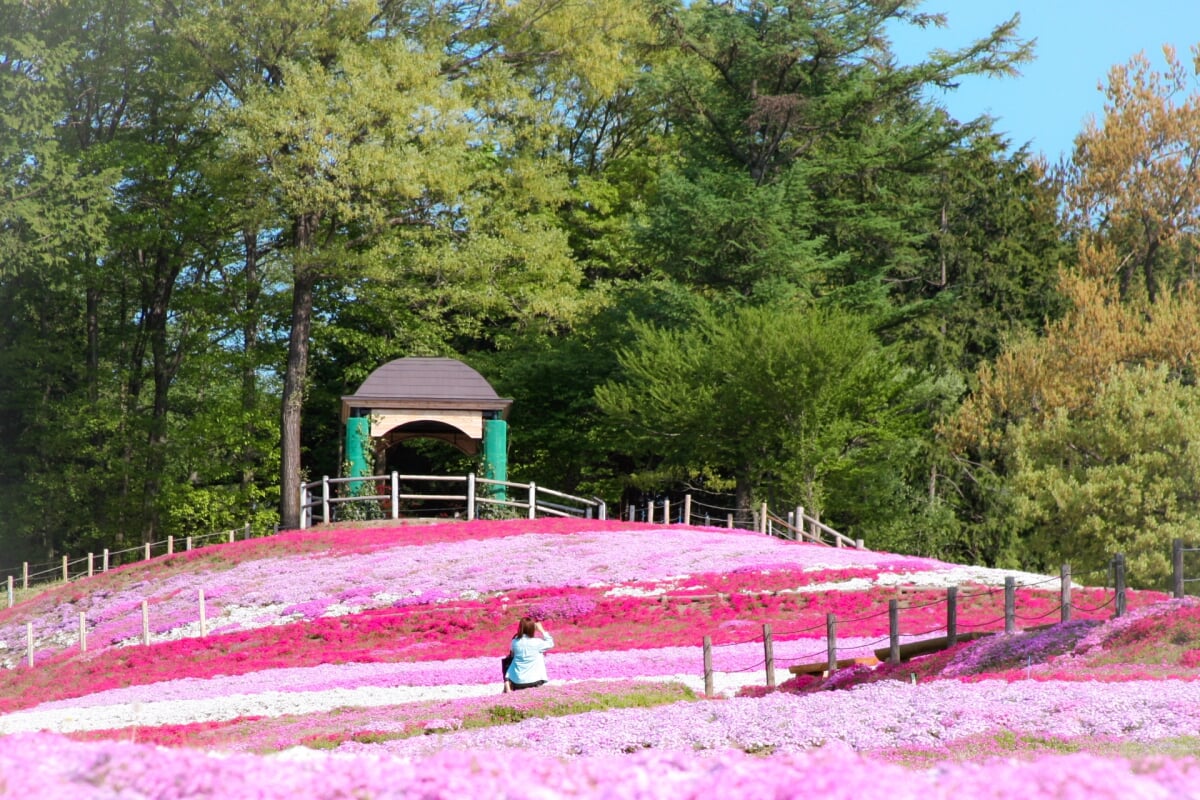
718	246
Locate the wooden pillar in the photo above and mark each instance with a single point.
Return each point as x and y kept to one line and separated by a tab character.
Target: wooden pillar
1064	599
105	561
687	509
532	500
325	499
831	642
90	562
1010	604
893	632
708	670
66	577
1119	582
1177	568
769	655
470	497
203	616
952	616
729	520
666	511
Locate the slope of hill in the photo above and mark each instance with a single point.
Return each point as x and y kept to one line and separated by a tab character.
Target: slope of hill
365	663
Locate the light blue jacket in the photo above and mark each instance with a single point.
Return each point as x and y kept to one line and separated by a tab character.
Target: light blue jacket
528	664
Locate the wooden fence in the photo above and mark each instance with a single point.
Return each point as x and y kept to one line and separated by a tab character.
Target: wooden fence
345	498
68	569
896	652
798	525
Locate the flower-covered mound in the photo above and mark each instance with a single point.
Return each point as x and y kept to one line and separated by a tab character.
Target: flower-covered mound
365	663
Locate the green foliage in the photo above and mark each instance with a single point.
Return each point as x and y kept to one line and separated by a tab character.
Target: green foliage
1118	477
807	404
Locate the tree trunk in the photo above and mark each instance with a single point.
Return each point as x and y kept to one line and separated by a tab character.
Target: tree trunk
304	280
742	495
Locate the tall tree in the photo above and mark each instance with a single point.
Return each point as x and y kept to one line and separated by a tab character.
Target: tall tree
399	142
1132	188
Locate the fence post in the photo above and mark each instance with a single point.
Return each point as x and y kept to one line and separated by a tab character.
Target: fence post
29	643
233	531
603	510
1177	568
188	543
24	574
1120	585
11	596
800	523
1064	578
105	561
90	572
325	499
65	576
769	655
762	519
831	642
893	632
951	615
632	513
170	545
470	496
304	510
687	509
533	500
666	511
82	632
145	623
203	616
1010	604
708	671
729	521
147	551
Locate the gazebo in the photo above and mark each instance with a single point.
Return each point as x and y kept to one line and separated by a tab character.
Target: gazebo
431	398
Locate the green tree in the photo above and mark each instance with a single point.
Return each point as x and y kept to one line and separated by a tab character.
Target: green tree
807	404
1120	476
402	143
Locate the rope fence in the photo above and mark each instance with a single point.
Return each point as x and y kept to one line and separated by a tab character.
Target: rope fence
918	643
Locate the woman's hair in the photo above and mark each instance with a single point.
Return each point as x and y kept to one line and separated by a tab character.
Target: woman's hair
526	627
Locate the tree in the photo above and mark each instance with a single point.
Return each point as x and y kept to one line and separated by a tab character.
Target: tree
401	143
805	102
1120	476
1132	188
807	404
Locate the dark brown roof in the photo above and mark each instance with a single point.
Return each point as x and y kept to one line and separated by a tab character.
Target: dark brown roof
426	382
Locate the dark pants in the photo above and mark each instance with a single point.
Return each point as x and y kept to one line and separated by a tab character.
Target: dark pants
533	685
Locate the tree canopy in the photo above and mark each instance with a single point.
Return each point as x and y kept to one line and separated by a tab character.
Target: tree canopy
723	245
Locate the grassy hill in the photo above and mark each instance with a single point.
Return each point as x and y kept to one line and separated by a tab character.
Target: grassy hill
364	662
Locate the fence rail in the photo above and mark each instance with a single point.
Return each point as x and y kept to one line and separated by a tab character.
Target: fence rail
481	496
798	525
69	569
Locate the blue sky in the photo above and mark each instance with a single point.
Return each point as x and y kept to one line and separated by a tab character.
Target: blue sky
1077	42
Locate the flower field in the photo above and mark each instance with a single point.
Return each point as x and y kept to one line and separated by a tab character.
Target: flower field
364	663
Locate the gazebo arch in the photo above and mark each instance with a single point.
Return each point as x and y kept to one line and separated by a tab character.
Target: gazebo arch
434	398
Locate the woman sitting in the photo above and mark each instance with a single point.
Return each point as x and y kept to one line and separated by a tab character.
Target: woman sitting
528	667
